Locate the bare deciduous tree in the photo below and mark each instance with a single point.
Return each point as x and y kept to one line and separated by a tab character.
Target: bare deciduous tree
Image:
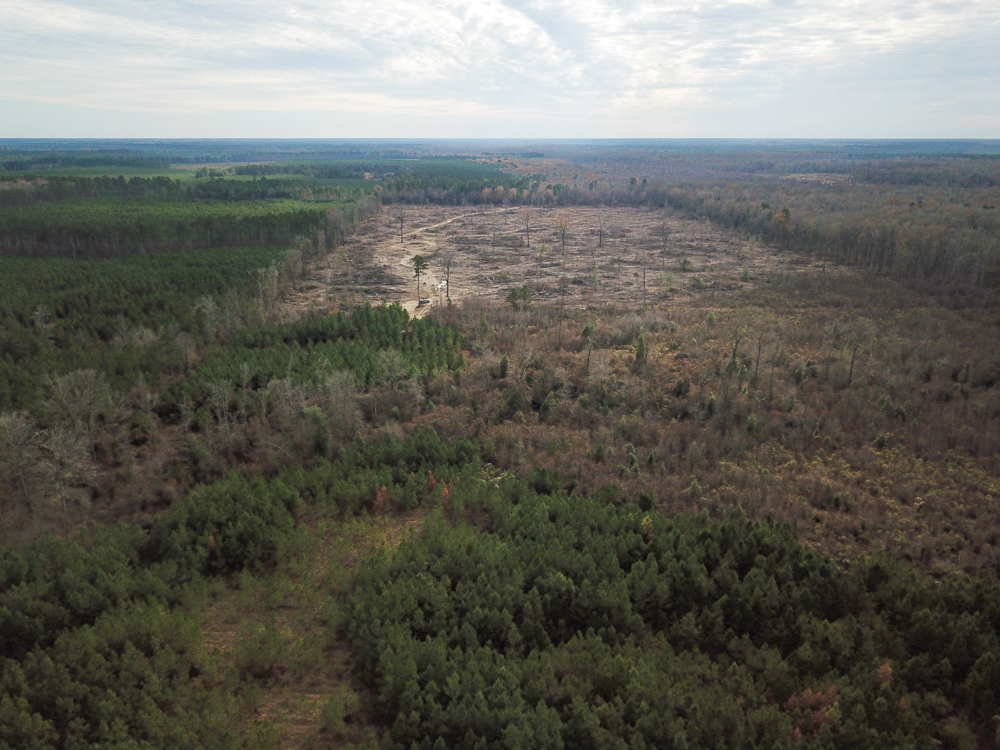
82	400
186	409
523	358
41	317
69	468
145	400
186	346
280	398
212	314
267	289
20	439
218	393
293	265
246	376
394	367
341	394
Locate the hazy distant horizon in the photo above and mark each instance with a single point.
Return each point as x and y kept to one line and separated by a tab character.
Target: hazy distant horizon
85	141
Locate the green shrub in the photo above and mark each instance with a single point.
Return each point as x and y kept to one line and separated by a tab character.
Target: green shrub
227	526
338	709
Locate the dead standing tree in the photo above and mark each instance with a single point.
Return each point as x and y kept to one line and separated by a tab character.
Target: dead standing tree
400	217
82	400
664	233
494	236
527	219
735	367
602	220
561	223
861	334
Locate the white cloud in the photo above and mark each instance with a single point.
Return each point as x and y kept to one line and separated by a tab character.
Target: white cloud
634	67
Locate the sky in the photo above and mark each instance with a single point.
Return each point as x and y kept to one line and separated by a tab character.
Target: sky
495	69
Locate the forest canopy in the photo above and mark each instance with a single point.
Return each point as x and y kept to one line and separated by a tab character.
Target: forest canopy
431	444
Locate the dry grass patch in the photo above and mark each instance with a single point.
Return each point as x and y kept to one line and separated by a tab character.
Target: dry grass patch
272	639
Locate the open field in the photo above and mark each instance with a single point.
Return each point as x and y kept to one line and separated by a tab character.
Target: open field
620	255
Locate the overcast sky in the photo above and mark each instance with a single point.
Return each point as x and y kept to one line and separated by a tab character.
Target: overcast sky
488	68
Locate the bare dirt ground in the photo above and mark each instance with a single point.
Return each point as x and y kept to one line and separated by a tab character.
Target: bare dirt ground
611	255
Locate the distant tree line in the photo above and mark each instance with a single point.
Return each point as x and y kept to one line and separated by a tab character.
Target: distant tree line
39	161
49	189
108	227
